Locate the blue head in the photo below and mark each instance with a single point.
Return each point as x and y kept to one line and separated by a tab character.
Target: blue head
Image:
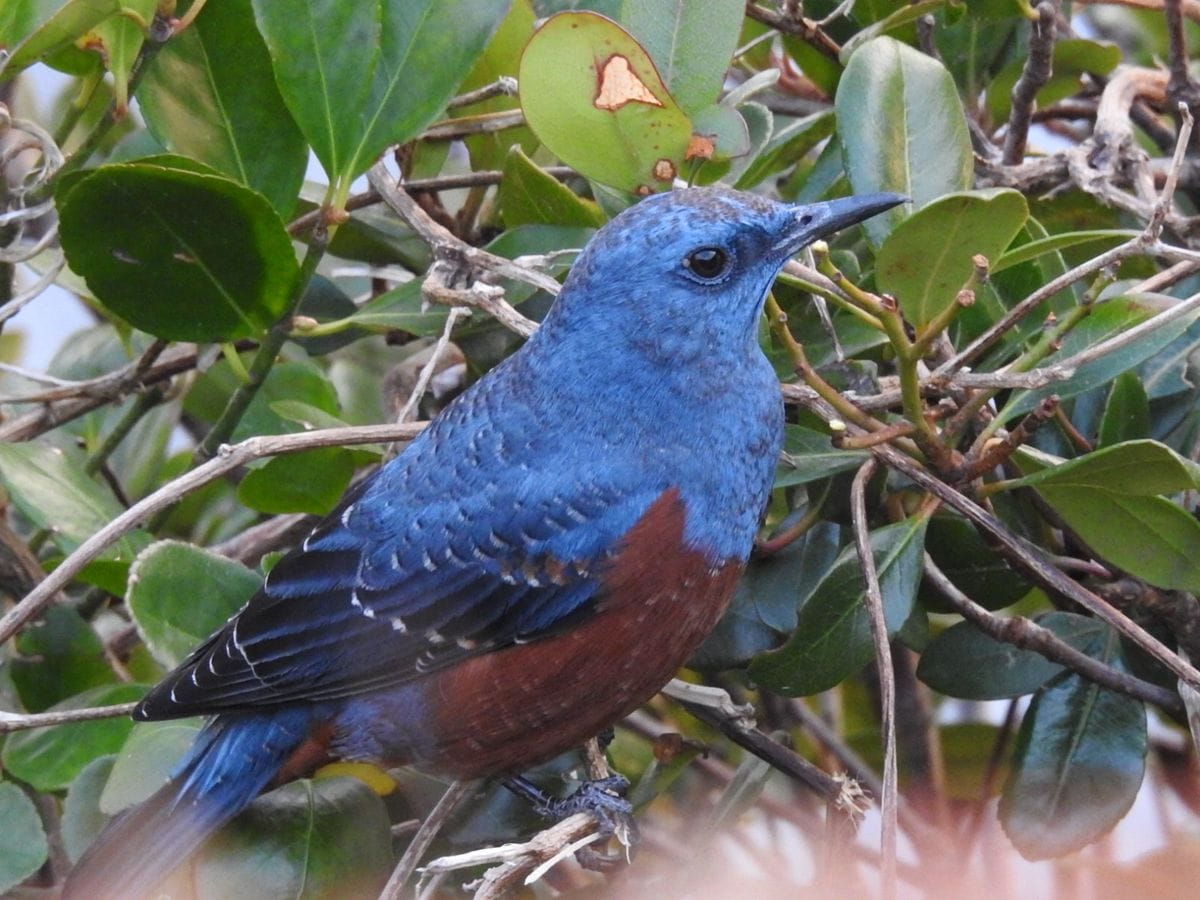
682	276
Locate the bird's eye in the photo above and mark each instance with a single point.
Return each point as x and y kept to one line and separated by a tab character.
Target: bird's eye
707	262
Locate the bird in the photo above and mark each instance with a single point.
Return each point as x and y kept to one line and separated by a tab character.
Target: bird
534	566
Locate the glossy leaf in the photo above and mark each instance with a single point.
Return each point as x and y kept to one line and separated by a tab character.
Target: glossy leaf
928	257
309	482
57	656
180	594
23	844
53	492
1055	242
766	601
974	567
690	43
1126	415
528	196
351	107
1109	498
902	128
211	95
965	662
145	762
788	143
50	758
592	95
1078	763
193	256
832	639
320	838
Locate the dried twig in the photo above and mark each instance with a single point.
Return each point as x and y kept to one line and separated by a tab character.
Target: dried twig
10	721
804	28
449	802
887	678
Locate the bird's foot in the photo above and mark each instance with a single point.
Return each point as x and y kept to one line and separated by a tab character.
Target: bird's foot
602	799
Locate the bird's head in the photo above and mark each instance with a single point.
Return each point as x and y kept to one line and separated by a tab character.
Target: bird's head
684	273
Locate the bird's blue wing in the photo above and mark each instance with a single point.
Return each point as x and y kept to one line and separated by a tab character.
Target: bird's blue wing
392	585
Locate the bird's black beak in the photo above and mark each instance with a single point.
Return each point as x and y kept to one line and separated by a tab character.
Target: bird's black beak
816	220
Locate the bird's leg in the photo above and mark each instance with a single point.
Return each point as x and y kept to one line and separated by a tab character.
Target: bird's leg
601	798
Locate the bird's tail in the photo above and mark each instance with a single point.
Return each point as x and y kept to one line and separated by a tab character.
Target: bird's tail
233	760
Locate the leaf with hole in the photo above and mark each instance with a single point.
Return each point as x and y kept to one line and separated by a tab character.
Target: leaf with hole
592	95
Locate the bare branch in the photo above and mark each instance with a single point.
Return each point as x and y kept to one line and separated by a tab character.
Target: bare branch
455	794
10	721
887	678
1034	75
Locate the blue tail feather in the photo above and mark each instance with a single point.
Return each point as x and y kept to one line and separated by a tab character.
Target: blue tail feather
232	761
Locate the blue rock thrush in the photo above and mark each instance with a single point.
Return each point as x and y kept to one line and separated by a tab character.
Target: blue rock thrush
537	564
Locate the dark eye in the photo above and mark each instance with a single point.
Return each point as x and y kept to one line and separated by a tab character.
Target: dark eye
707	262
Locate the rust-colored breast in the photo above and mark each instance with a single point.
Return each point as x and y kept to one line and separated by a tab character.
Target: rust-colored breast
508	710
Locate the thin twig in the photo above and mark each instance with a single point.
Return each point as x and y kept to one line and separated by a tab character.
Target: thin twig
887	679
1029	635
409	409
228	459
10	721
450	801
504	86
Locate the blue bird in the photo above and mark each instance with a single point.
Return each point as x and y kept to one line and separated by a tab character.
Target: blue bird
534	566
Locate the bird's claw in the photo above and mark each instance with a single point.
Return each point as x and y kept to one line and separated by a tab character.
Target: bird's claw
613	814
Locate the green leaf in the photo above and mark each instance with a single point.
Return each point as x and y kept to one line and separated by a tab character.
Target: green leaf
832	640
787	145
964	662
82	819
211	95
725	128
1126	415
765	603
302	381
898	18
808	456
323	838
1078	763
54	493
501	57
691	43
1056	242
966	559
902	128
528	196
192	257
1107	319
353	106
59	655
145	762
309	482
1109	496
60	31
49	759
23	844
592	95
927	258
118	40
179	594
